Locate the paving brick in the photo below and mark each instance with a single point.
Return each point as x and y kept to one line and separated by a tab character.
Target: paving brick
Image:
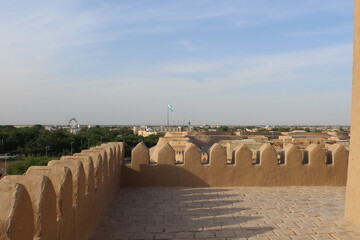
143	236
224	233
249	226
241	233
343	236
184	235
325	230
322	237
287	225
304	237
154	229
212	228
133	229
164	236
279	238
283	232
303	231
326	224
258	238
204	234
228	213
306	225
123	235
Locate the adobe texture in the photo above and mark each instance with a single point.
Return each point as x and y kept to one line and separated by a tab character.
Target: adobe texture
64	200
352	206
312	169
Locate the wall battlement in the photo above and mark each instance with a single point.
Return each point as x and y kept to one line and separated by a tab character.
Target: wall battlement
290	167
64	200
67	198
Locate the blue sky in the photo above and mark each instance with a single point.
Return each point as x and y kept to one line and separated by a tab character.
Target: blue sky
217	62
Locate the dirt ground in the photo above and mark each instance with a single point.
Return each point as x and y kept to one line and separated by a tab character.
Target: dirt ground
8	164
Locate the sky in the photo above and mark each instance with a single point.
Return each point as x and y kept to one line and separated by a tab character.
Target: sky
238	62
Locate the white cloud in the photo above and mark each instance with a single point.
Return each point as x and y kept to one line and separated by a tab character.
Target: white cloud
187	45
336	30
258	69
48	55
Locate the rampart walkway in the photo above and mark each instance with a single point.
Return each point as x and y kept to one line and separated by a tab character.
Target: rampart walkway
228	213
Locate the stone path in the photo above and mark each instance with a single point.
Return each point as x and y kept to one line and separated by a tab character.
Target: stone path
306	213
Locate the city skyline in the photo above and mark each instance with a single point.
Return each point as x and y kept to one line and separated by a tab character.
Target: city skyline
228	63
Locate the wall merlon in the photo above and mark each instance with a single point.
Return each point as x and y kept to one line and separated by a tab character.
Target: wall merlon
61	178
242	155
292	156
17	217
268	156
97	164
317	155
78	177
192	156
79	185
284	168
217	155
340	158
118	152
140	155
43	199
166	155
122	149
88	166
110	154
64	200
339	153
105	161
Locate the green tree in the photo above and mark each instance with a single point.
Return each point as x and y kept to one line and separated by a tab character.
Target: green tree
223	129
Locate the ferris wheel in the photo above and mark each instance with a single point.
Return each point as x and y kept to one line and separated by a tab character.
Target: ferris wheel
74	125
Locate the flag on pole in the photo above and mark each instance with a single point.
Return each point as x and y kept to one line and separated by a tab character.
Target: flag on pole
170	107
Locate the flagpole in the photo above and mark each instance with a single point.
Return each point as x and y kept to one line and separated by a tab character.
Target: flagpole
167	116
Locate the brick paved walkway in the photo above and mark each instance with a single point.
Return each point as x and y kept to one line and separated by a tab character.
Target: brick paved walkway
228	213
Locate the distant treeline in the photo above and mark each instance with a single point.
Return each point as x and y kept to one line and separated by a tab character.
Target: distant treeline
36	141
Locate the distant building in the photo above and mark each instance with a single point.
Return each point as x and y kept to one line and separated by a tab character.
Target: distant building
135	130
146	131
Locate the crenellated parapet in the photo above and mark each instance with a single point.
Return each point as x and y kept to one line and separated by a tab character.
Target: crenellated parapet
288	167
65	199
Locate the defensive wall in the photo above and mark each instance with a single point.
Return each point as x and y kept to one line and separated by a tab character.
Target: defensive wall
207	139
290	167
352	204
64	200
67	198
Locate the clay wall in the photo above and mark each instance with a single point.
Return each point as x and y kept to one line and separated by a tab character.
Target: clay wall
68	198
291	167
352	206
65	199
311	134
209	133
208	140
268	134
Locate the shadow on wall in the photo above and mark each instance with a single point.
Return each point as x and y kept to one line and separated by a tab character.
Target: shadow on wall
158	213
161	175
313	168
65	199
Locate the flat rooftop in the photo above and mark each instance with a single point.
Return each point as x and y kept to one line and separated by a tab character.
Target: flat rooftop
306	213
